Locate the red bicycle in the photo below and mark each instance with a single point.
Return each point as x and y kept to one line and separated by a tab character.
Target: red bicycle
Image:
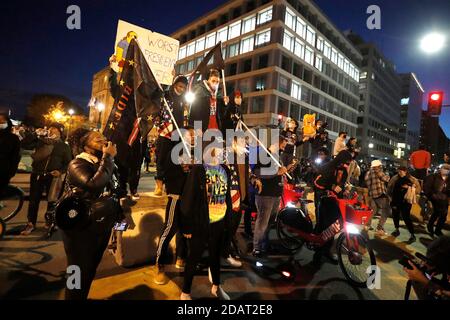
295	228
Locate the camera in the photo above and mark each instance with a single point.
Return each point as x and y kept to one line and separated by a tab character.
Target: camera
420	263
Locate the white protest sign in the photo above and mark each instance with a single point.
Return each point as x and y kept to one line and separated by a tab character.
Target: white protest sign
160	51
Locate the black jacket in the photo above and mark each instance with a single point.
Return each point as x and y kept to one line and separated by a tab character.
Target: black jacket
58	160
194	204
89	180
333	174
200	108
231	117
436	188
9	154
176	103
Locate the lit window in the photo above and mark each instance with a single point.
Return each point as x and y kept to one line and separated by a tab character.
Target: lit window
290	19
190	49
363	75
356	74
233	50
200	46
182	53
222	35
265	16
263	37
309	55
288	41
327	50
404	101
247	44
296	92
318	63
310	36
299	50
249	24
352	71
320	43
346	66
301	28
334	56
341	61
210	40
235	30
190	65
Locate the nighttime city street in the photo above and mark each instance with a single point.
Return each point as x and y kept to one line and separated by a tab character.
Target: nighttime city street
225	150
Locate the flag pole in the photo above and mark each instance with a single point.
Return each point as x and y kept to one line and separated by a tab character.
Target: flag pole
264	147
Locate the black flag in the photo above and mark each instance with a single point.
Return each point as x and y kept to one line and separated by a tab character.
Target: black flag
138	98
212	60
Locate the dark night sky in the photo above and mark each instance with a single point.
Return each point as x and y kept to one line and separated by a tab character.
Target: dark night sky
40	55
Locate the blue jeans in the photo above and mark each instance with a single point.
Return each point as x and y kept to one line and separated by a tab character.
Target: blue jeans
267	207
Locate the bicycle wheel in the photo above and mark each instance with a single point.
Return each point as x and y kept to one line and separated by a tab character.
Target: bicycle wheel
355	257
11	203
287	239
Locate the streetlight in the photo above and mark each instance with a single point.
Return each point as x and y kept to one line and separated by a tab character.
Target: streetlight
371	145
100	108
432	42
71	113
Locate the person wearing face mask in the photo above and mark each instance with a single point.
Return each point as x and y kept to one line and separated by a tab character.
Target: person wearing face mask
88	176
9	152
175	99
397	189
340	144
332	177
50	160
208	105
233	113
437	188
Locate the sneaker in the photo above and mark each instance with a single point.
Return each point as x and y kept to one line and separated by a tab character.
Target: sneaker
185	296
28	229
257	253
135	196
395	233
180	263
234	262
412	238
160	277
220	293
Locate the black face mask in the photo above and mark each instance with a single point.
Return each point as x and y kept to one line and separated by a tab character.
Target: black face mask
98	154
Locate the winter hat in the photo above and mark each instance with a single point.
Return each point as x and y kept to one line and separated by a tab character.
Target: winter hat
180	78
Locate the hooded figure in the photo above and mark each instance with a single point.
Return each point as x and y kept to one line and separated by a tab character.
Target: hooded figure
9	151
334	174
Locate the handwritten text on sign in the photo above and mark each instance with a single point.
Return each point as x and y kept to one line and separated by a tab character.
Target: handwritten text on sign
160	51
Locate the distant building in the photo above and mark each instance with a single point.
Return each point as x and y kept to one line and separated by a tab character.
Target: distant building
286	57
379	110
433	137
101	96
410	114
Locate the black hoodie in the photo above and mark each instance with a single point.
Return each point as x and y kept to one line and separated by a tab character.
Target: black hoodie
333	174
9	153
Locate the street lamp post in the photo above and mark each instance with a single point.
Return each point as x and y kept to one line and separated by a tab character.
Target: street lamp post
71	113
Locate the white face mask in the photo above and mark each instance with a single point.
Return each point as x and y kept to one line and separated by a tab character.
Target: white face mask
214	87
3	126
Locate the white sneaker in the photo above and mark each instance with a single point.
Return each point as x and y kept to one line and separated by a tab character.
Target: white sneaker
234	262
220	293
135	196
185	296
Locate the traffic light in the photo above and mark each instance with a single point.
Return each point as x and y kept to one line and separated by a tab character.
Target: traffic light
435	99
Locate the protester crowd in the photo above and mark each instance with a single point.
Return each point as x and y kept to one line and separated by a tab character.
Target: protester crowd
206	201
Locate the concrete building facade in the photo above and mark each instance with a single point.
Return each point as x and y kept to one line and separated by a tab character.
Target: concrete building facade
433	137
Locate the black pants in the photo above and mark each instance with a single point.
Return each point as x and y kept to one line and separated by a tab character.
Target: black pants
171	228
84	248
328	211
38	184
231	246
130	175
163	151
248	212
440	211
403	209
197	246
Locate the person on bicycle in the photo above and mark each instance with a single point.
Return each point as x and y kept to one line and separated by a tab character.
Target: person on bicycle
9	152
332	177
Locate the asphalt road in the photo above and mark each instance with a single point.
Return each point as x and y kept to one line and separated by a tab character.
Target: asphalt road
33	268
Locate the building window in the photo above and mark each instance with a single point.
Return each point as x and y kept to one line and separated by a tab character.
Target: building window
341	61
320	44
363	75
249	24
299	49
200	45
265	16
260	83
235	30
309	56
346	66
318	63
288	41
285	64
283	107
190	49
190	65
257	105
182	68
233	50
263	37
244	85
263	61
301	28
290	19
296	92
334	56
247	65
210	40
294	113
310	36
327	50
232	69
182	53
284	85
247	44
198	60
222	35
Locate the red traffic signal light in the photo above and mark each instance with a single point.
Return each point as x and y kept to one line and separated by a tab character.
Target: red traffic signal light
435	99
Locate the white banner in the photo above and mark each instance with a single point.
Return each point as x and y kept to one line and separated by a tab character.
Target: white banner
160	51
